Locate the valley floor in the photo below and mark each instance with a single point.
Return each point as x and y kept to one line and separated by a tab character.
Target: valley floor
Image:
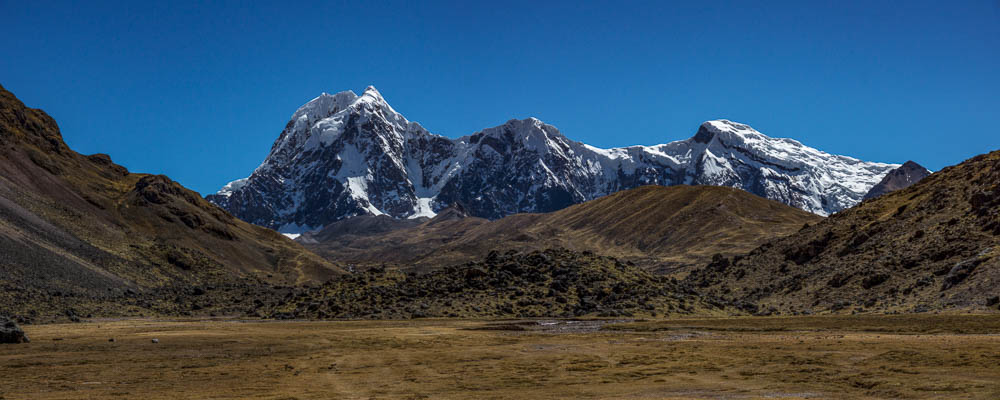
908	356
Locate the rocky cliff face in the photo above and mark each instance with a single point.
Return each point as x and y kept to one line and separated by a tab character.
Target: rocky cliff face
344	155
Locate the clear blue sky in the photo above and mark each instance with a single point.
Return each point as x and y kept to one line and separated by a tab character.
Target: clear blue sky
200	92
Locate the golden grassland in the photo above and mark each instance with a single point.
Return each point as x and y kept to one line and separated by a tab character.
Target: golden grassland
912	356
663	229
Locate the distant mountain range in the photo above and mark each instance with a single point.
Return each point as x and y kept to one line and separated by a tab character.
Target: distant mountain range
345	155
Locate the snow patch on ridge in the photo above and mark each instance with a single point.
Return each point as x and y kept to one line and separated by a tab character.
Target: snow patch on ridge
423	208
357	186
233	186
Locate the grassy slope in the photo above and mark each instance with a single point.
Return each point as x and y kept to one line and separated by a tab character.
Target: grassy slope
76	229
933	245
662	228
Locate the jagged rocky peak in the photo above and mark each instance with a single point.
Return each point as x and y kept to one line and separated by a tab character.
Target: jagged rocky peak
373	94
914	167
325	105
320	121
344	155
899	178
530	134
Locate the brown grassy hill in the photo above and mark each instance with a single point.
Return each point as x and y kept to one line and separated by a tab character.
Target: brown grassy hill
76	229
361	226
662	228
377	240
933	245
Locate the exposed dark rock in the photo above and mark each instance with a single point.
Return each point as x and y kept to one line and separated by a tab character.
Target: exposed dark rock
10	332
899	178
962	270
874	280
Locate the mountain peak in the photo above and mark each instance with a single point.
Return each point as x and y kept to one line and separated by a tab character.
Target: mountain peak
373	93
910	164
325	104
904	176
526	122
708	130
529	133
355	155
373	97
711	129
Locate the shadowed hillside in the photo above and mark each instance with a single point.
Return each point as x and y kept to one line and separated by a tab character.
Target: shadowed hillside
933	245
81	233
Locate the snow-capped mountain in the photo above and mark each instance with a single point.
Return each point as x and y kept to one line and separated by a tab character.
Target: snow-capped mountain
344	155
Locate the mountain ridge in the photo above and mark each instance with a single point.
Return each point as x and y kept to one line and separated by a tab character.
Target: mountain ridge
660	228
343	155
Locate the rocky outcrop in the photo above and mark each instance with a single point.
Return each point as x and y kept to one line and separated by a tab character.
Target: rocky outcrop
899	178
10	332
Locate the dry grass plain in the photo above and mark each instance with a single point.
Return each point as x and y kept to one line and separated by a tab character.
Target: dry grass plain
915	356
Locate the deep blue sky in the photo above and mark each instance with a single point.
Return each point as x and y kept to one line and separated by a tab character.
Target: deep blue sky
200	92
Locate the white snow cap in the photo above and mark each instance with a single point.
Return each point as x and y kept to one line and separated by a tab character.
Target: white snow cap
324	104
372	91
386	164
